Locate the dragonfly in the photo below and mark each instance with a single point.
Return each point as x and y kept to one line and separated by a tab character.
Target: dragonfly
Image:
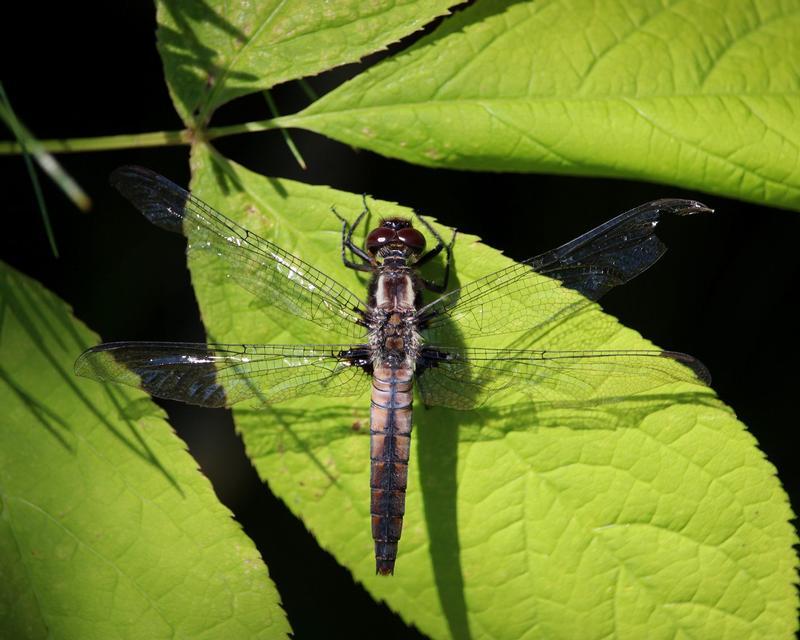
394	340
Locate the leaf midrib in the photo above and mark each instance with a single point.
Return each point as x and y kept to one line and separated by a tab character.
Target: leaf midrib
220	84
314	111
300	118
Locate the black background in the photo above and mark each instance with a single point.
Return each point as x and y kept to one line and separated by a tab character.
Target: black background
725	291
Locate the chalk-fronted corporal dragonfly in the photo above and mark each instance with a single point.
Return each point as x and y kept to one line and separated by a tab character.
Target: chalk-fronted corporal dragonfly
394	339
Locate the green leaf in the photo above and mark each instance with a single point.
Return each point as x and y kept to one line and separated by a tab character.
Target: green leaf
215	51
107	529
653	515
697	94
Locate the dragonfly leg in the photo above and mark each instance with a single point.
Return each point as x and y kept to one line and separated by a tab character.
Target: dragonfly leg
437	287
347	242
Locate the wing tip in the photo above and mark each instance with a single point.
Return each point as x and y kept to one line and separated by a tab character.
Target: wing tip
80	366
700	370
85	364
673	206
680	207
118	176
694	206
159	199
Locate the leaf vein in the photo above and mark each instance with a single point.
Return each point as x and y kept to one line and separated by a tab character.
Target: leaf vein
103	558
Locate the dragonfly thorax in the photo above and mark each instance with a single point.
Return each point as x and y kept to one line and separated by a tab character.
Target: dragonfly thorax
392	330
393	339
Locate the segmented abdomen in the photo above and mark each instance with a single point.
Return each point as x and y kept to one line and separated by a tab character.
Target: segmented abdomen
390	439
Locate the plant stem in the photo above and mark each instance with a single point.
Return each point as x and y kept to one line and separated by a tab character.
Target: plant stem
26	140
245	127
308	90
273	109
105	143
138	140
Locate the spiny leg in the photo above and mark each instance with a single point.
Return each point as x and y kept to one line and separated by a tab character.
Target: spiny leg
355	249
437	287
347	242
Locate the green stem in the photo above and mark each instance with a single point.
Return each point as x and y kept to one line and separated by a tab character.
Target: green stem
138	140
23	136
37	191
273	109
245	127
308	90
105	143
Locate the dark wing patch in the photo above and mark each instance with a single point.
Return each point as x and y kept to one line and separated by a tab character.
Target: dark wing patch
220	375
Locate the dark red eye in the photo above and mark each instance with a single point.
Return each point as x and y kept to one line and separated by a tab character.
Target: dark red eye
379	237
412	238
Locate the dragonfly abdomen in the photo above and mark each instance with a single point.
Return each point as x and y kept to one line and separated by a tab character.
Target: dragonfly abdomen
390	443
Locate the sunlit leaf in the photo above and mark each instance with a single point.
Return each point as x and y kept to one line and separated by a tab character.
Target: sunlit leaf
107	528
652	514
705	95
214	51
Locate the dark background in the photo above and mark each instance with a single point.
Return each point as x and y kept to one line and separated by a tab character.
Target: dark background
724	292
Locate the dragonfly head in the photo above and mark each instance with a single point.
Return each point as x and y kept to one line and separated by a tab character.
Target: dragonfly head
393	236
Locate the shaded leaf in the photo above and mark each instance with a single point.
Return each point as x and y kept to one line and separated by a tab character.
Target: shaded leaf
697	94
107	529
215	51
647	512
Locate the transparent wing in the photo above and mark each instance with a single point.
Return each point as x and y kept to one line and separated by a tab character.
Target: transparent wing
466	378
219	375
267	271
517	298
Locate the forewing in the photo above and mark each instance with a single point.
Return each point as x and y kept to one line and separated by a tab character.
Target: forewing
273	275
466	378
220	375
517	298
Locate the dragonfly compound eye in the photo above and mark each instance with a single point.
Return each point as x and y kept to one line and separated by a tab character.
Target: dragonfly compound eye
412	238
379	238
